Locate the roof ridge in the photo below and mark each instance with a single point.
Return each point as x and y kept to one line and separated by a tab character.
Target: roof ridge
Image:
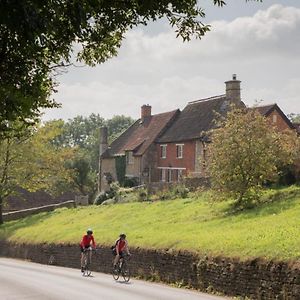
207	99
163	113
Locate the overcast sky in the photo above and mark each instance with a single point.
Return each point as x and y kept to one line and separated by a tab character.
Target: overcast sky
260	42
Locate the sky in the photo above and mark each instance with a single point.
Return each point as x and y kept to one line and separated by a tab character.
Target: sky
260	42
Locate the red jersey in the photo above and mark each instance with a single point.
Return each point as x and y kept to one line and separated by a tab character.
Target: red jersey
86	241
121	245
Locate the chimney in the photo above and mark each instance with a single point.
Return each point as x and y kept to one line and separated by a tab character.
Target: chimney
145	111
233	90
103	140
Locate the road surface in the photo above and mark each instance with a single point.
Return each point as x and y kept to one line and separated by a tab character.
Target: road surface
24	280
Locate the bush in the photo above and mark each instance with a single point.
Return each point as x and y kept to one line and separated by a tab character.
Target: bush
131	182
181	191
142	195
100	198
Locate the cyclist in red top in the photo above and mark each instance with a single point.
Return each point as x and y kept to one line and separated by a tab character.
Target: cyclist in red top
121	248
85	244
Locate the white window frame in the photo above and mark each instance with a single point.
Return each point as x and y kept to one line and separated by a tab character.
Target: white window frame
129	158
163	175
179	150
163	151
179	174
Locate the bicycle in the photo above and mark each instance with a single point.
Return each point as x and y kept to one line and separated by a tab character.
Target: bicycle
87	262
121	269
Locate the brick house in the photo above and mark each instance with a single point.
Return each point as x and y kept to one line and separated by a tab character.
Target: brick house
134	150
275	117
182	149
165	147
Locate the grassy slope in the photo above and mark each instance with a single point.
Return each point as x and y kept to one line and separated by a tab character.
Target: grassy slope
270	231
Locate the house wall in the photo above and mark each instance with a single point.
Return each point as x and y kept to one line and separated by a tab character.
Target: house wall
108	165
280	123
134	169
171	160
149	163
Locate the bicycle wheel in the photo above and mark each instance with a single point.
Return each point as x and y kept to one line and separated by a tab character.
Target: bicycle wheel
125	272
115	273
86	267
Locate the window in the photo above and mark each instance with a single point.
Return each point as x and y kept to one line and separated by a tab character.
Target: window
129	157
179	150
163	175
170	175
274	118
179	174
163	151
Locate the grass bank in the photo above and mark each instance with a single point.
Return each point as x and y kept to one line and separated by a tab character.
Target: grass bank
195	224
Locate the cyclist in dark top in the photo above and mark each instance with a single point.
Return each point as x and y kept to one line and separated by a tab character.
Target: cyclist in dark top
86	242
121	248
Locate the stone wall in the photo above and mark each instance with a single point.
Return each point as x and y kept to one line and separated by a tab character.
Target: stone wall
14	215
255	279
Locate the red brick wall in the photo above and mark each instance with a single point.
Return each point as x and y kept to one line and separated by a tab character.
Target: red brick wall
280	123
188	160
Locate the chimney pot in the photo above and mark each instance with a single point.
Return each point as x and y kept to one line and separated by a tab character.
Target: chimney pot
233	76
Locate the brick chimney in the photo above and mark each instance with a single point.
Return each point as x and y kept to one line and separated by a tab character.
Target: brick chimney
103	140
145	111
233	90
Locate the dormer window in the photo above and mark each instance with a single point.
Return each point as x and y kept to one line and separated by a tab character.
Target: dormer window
163	151
129	157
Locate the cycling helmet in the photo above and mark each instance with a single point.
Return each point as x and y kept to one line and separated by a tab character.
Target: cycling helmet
89	231
123	236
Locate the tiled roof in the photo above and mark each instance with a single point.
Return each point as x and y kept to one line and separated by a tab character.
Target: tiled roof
140	135
196	118
265	109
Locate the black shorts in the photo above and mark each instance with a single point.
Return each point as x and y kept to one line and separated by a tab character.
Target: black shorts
83	249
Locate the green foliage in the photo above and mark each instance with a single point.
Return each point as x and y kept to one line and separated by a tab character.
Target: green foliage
37	38
270	230
120	162
100	198
245	153
131	181
143	195
295	118
173	192
32	162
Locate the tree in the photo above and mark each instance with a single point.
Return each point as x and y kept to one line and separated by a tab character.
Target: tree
295	118
246	152
32	162
82	135
37	39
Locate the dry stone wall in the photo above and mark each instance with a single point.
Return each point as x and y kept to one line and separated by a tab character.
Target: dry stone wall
255	279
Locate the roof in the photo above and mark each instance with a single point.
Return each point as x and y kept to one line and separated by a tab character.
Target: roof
140	135
266	110
196	118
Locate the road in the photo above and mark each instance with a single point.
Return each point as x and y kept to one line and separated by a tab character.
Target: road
24	280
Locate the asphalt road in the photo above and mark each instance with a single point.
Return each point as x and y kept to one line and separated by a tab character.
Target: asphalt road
24	280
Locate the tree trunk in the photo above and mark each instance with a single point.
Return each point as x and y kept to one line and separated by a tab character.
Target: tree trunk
1	217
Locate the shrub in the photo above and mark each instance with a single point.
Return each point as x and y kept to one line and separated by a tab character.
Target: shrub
100	198
142	195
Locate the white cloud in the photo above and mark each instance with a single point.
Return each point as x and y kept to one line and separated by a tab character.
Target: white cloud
164	72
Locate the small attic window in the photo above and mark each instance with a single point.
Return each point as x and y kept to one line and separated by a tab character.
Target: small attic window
129	157
274	118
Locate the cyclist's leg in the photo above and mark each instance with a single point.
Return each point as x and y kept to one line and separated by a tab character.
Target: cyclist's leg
116	260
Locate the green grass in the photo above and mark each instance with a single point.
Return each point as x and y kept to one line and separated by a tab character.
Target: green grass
271	230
